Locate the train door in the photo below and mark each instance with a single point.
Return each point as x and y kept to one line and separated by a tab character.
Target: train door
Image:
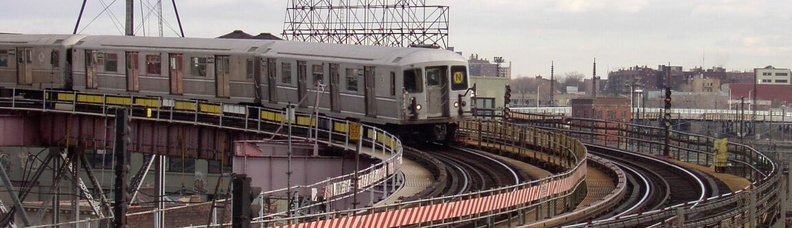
133	83
271	80
301	81
370	91
335	98
24	66
90	69
176	73
222	74
436	91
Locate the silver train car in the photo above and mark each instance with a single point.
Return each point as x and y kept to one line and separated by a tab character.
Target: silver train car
417	93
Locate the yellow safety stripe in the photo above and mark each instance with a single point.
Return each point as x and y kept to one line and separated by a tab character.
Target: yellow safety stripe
180	105
154	103
119	100
217	109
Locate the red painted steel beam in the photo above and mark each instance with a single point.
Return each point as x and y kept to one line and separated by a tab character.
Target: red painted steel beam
95	132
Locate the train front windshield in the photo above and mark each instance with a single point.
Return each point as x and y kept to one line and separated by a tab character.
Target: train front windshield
459	78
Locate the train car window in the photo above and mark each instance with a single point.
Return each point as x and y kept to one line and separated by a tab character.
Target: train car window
55	58
111	62
459	78
99	58
286	73
172	63
433	77
198	66
318	74
153	64
352	78
393	83
3	58
413	82
29	55
249	67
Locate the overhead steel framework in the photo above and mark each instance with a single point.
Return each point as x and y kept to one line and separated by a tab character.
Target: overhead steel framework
398	23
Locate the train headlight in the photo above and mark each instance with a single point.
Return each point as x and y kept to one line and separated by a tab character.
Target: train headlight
464	103
418	107
456	104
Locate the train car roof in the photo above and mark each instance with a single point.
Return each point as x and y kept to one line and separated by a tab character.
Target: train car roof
39	39
175	44
379	55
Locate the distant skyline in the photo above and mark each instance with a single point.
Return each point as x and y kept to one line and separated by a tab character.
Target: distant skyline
734	34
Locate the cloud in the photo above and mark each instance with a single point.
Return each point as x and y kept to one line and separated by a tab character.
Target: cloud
580	6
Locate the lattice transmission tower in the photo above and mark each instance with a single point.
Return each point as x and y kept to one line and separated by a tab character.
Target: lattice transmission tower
397	23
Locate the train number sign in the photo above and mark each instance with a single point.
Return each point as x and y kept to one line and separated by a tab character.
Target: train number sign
354	131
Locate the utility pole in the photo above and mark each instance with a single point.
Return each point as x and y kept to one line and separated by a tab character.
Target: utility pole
742	119
552	82
130	11
753	102
594	80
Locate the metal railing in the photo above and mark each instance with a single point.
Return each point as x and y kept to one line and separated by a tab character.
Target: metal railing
472	206
678	113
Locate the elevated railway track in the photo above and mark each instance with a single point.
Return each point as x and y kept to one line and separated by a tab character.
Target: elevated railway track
558	150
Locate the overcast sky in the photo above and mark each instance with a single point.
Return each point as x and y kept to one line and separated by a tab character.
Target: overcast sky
734	34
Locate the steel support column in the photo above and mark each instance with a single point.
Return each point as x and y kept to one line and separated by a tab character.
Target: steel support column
159	184
10	189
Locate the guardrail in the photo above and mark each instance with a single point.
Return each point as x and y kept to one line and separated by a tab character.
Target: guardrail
758	203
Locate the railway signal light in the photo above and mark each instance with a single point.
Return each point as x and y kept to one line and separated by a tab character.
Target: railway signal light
506	102
244	196
507	96
667	99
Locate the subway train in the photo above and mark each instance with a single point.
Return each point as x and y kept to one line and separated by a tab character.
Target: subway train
417	93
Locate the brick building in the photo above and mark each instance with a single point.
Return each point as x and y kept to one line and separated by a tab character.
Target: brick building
605	108
485	68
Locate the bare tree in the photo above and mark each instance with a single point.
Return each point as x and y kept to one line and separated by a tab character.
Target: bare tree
571	79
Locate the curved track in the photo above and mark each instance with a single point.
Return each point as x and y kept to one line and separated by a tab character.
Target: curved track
656	183
467	171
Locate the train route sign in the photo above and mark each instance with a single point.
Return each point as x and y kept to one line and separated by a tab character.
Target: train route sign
458	78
